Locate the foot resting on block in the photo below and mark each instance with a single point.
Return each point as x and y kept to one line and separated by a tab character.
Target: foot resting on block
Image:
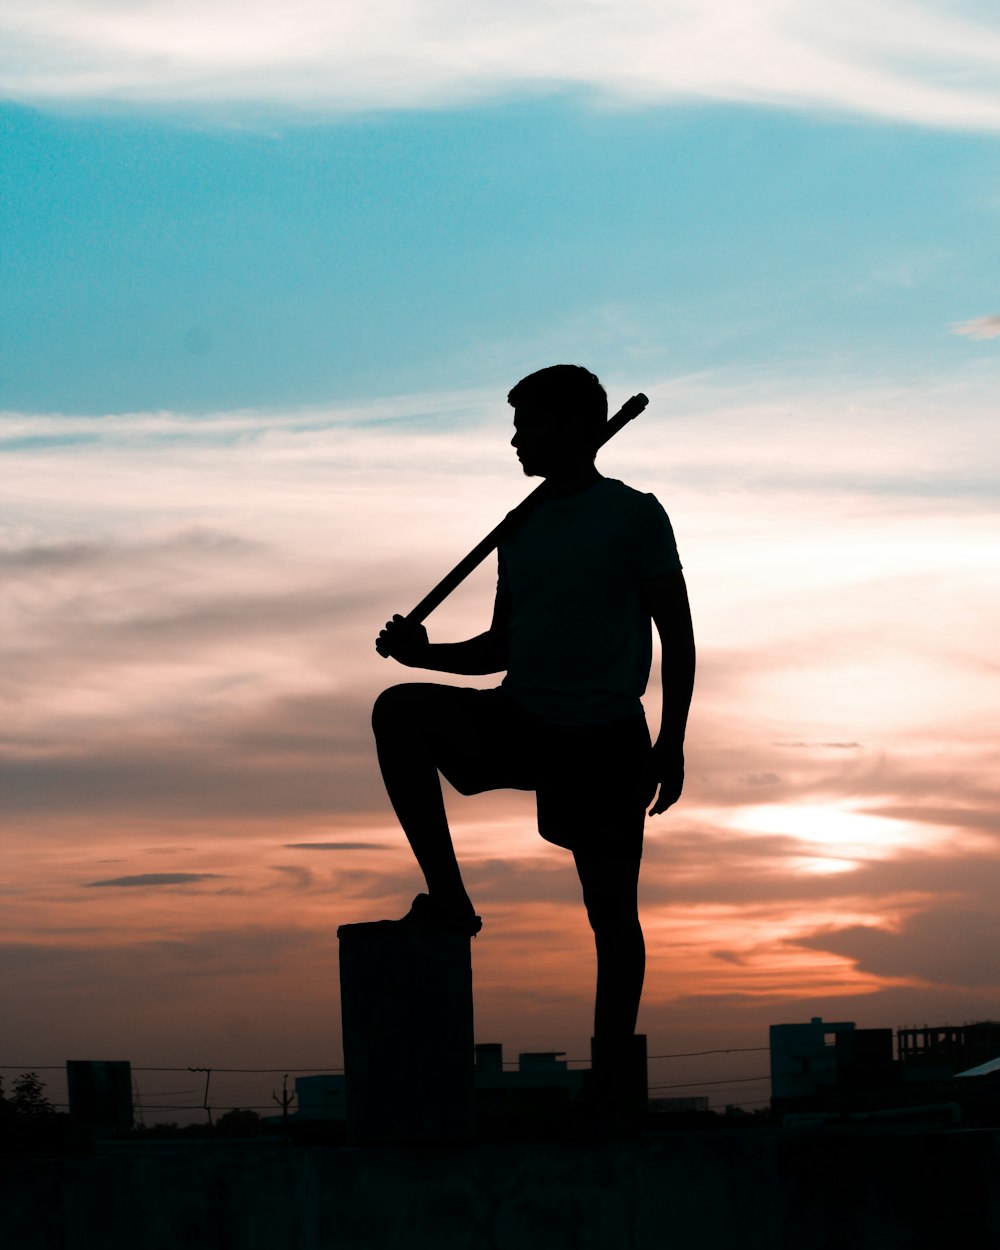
427	916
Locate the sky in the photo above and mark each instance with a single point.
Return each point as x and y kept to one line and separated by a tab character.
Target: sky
267	277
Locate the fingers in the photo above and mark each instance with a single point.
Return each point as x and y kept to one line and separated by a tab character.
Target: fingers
383	643
391	627
668	796
668	771
401	639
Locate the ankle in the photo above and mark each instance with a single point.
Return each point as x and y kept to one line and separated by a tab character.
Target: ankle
452	903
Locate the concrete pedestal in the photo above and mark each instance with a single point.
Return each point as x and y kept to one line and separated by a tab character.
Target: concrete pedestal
406	1004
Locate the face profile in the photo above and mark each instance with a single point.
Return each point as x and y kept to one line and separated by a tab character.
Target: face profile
533	441
548	445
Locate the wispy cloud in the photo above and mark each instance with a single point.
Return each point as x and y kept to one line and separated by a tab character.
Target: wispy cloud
920	62
144	879
978	328
296	877
336	846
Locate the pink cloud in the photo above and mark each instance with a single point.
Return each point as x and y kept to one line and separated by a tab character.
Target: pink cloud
978	328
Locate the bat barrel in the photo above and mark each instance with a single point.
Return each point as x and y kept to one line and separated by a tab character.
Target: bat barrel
627	412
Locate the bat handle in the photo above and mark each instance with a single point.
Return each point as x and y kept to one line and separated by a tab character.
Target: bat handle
630	409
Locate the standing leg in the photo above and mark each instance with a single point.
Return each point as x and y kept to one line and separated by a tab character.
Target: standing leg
610	896
416	727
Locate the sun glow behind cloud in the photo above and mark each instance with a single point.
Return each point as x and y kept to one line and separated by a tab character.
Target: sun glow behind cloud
835	826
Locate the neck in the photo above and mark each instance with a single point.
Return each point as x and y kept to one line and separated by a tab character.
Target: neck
571	479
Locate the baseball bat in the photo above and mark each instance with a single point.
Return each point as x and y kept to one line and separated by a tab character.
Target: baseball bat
631	408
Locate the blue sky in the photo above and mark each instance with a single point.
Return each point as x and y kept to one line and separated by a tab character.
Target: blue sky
151	262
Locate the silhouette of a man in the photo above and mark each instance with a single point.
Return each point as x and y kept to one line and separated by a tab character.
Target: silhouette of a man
579	582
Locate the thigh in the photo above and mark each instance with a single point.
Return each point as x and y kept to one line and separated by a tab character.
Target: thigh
595	790
496	748
479	739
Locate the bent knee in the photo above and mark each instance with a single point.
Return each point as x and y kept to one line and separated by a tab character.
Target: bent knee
616	930
608	921
404	707
392	706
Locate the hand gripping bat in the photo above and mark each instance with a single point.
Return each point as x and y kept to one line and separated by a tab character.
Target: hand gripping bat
434	598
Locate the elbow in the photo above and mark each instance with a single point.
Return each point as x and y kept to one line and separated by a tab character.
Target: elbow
496	651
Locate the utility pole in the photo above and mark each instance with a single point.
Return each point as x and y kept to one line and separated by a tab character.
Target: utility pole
284	1102
204	1101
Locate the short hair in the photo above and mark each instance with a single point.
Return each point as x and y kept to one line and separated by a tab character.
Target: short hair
565	391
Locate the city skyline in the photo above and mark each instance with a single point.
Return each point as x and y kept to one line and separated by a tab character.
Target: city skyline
259	336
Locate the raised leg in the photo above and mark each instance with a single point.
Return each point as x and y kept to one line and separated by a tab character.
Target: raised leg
416	728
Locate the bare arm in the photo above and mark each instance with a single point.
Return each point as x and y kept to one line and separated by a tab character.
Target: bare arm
667	600
408	644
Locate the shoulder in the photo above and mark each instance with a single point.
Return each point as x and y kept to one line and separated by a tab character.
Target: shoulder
612	492
650	533
641	504
614	489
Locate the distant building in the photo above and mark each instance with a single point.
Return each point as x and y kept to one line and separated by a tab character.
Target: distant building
542	1077
803	1062
865	1066
830	1065
833	1070
320	1097
943	1051
990	1070
544	1080
100	1094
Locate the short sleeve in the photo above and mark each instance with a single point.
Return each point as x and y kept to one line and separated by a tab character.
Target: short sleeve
655	548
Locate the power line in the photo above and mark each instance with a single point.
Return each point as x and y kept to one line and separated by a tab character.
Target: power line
680	1054
33	1067
742	1080
732	1050
694	1054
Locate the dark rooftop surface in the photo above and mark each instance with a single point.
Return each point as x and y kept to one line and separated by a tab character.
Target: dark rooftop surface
765	1189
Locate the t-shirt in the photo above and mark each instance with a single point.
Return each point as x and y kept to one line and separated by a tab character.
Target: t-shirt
579	645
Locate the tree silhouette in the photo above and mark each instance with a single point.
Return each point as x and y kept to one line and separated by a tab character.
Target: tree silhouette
27	1098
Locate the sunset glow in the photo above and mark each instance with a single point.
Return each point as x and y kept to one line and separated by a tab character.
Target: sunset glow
831	826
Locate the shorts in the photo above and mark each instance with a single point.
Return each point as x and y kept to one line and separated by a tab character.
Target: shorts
593	783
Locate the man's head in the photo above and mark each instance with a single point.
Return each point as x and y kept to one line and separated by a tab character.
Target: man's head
559	415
